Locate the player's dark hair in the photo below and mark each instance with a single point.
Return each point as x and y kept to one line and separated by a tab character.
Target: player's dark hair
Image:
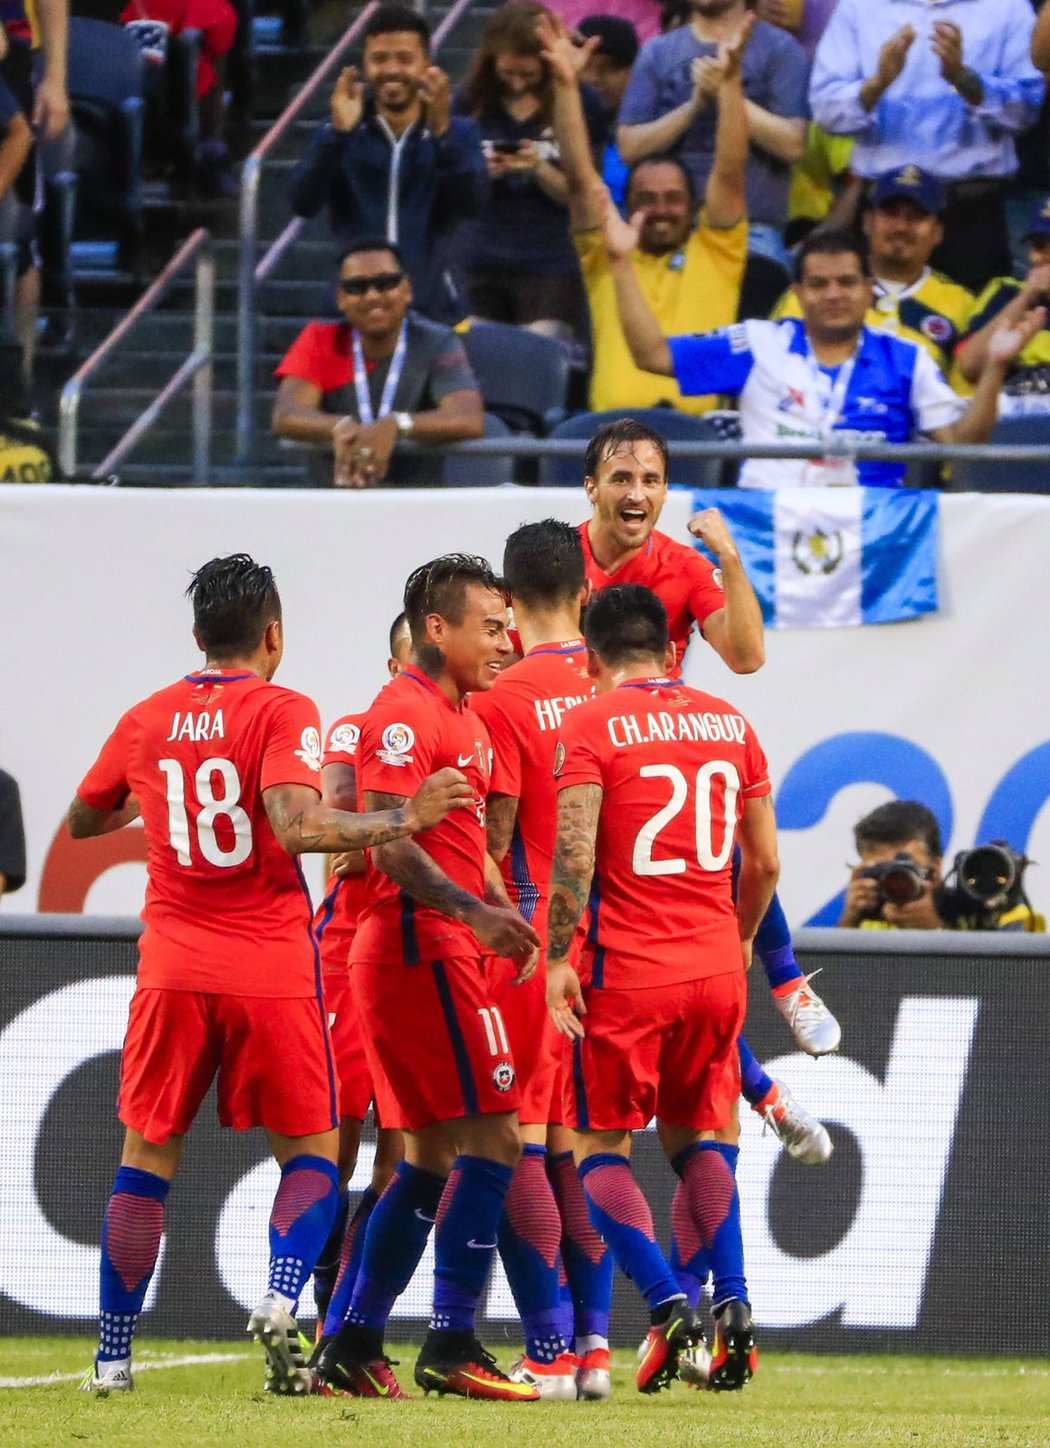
896	823
663	158
543	563
626	622
396	629
233	600
440	587
831	241
613	435
389	19
370	243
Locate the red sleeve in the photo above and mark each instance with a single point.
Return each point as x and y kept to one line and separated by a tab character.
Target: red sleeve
316	356
396	748
343	738
756	780
706	595
292	747
577	758
105	786
498	708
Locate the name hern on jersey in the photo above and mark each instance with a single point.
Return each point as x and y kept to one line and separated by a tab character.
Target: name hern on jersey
198	727
625	729
549	712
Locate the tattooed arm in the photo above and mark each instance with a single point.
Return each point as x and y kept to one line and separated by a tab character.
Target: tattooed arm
499	927
84	821
339	791
578	809
501	815
305	825
759	868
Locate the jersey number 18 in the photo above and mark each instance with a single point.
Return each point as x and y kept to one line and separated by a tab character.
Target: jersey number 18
210	810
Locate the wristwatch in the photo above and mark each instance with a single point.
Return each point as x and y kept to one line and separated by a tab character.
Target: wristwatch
405	423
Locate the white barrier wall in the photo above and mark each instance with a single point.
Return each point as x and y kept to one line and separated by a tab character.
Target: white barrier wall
954	709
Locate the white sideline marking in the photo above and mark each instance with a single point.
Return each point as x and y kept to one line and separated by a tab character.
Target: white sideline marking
148	1365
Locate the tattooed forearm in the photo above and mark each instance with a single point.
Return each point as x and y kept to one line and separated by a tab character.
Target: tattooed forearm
305	826
85	821
578	809
412	868
501	813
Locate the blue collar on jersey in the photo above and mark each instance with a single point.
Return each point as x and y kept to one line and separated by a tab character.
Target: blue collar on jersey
577	646
658	683
215	676
799	345
416	676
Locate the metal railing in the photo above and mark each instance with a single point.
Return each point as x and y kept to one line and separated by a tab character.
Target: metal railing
253	269
521	446
197	366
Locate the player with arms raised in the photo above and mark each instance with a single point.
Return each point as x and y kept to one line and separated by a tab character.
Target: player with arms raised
223	768
435	1040
656	783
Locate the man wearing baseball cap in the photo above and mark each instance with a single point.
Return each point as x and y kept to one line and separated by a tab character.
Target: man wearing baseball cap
903	226
1027	387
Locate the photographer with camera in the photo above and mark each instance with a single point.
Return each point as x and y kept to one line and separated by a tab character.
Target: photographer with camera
899	883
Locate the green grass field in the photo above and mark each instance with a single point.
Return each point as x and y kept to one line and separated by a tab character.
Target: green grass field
794	1400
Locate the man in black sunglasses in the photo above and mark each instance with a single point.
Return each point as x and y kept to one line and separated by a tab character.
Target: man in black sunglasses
384	373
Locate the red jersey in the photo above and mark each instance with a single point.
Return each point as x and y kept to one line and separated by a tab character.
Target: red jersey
688	586
523	712
410	731
336	919
227	909
675	766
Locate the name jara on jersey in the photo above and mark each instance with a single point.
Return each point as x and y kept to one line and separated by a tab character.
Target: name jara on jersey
198	727
624	729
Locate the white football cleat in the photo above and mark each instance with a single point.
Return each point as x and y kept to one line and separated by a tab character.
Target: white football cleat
694	1365
555	1382
593	1378
274	1326
108	1378
815	1029
800	1134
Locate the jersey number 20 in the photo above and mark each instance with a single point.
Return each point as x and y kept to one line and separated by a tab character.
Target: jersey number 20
642	860
210	810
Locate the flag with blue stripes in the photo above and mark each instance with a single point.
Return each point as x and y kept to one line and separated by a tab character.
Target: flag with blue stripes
834	557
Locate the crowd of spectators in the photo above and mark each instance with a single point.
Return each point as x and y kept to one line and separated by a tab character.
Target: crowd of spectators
711	137
897	120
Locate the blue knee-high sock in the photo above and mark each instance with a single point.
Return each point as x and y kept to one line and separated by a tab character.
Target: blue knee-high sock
773	943
621	1215
755	1084
465	1239
708	1178
587	1260
394	1240
327	1267
529	1235
131	1232
689	1259
351	1250
300	1221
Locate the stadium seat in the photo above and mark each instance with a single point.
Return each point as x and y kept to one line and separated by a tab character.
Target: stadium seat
524	378
1010	477
170	92
560	472
106	96
462	471
764	283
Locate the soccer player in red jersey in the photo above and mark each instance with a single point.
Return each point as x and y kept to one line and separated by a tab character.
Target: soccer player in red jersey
657	781
543	571
626	482
335	924
435	1038
223	768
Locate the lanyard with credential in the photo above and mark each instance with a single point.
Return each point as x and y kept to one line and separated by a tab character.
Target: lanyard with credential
829	396
393	377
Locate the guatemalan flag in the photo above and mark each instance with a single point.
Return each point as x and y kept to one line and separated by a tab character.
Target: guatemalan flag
834	557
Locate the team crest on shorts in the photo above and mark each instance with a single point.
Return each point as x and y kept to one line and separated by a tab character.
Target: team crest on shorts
503	1076
398	739
310	748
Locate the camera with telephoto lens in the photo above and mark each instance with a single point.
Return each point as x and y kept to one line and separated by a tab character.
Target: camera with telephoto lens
900	880
982	885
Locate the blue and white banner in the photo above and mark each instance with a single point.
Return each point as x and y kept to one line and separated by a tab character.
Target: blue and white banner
834	557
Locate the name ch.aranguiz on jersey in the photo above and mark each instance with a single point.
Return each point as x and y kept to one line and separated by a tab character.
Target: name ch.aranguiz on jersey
627	729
